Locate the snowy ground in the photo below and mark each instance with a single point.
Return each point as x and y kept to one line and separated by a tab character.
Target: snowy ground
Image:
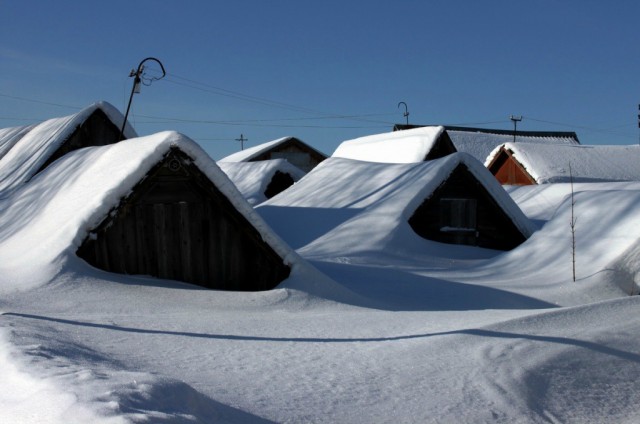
407	331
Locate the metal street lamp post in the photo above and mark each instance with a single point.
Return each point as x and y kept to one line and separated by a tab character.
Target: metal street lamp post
406	111
137	74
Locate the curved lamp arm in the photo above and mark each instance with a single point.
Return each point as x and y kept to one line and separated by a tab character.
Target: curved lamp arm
136	87
406	111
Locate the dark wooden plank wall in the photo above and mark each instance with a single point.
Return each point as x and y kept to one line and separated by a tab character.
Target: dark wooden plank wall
178	225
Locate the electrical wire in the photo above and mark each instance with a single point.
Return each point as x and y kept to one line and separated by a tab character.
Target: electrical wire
249	124
598	130
236	95
162	120
263	101
39	101
190	83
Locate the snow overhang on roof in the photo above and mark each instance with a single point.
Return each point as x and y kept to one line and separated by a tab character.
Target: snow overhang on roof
252	178
406	146
550	163
10	136
248	154
362	204
74	194
445	166
36	146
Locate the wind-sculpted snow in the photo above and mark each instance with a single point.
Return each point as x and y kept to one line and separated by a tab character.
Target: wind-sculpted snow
374	324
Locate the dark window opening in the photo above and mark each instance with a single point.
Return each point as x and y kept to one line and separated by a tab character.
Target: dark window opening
458	220
279	183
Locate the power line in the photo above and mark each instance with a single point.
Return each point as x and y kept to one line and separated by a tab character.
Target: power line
604	131
39	101
262	122
217	139
265	122
234	94
249	124
240	121
259	100
476	124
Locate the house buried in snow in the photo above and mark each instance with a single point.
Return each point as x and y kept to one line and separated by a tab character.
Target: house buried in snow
179	222
524	164
26	151
156	206
461	210
480	142
259	181
414	145
292	149
371	206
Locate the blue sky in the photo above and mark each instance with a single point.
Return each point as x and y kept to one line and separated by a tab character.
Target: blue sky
327	71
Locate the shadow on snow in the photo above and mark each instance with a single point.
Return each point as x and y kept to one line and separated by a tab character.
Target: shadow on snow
595	347
397	290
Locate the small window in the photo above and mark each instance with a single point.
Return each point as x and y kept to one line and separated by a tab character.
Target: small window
458	220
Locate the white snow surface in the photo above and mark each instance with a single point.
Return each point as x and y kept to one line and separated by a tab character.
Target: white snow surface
341	196
369	328
252	178
74	194
550	163
31	147
10	136
406	146
481	144
252	152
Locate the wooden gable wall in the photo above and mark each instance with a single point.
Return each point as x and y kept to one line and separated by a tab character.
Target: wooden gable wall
442	147
508	171
177	225
295	152
461	211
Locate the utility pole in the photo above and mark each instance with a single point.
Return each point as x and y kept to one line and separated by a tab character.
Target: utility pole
515	120
242	140
639	123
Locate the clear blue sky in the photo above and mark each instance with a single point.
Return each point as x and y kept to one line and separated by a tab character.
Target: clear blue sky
327	71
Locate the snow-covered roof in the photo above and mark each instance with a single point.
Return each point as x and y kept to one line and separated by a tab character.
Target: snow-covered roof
38	142
251	152
252	178
255	151
547	163
367	205
10	136
53	214
481	143
394	147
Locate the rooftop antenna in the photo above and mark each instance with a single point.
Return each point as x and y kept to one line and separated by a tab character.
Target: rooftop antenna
515	120
242	140
406	111
639	122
